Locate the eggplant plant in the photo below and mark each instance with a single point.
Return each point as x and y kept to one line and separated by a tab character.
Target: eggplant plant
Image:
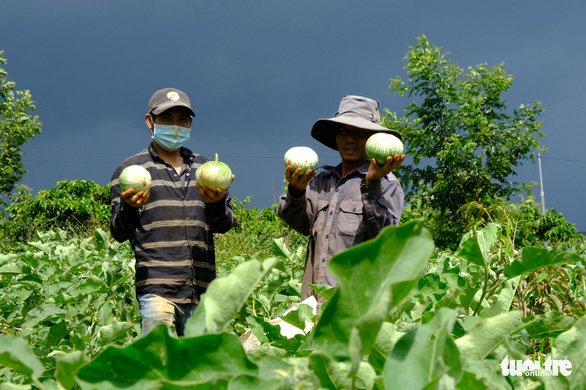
402	316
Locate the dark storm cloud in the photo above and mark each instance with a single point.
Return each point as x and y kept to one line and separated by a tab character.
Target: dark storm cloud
260	73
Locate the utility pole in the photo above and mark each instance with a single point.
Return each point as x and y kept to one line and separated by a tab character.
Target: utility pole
541	185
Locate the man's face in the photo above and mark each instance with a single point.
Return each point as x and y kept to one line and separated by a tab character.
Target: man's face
174	116
351	142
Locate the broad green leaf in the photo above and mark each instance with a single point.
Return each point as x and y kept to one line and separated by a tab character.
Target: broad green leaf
105	313
550	324
257	331
11	269
482	375
325	291
57	332
280	249
563	340
337	375
385	341
67	366
12	386
269	350
39	314
113	332
159	359
289	344
249	382
488	334
299	316
372	277
225	296
476	248
9	258
101	239
279	373
68	253
92	285
44	247
16	353
515	350
424	355
503	301
575	352
535	258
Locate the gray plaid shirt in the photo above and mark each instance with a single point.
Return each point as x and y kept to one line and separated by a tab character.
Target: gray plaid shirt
337	213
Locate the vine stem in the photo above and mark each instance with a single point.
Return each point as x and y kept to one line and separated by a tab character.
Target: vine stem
484	289
38	383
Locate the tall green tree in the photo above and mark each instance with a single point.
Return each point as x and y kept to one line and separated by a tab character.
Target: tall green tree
17	126
464	141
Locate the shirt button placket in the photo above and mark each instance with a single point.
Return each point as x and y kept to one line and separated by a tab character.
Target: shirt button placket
326	253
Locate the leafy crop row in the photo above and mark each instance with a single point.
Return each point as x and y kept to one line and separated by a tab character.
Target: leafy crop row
403	316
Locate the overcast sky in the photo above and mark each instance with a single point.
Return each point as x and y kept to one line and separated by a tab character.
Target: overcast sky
260	73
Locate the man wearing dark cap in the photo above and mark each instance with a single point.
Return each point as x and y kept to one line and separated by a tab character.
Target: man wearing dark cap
170	226
347	204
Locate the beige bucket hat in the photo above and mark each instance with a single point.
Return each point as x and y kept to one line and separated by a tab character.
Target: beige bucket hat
356	111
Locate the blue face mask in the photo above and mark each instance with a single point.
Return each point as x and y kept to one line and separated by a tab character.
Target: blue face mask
171	137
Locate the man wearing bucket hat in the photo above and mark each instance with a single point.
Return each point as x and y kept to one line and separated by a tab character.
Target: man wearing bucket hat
347	204
171	226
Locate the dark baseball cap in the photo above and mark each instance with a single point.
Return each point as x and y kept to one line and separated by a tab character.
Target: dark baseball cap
166	98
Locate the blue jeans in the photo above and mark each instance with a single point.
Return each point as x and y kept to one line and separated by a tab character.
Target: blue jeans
156	310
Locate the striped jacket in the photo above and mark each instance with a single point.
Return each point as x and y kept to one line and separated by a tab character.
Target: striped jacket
172	234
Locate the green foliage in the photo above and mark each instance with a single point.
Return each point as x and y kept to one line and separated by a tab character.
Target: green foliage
372	279
64	294
17	126
230	292
278	291
503	280
71	297
402	316
259	234
465	145
254	232
78	206
523	222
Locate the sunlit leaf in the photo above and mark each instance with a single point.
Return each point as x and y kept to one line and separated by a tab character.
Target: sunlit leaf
424	355
534	258
488	334
113	332
336	375
225	296
372	277
158	359
16	353
67	367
